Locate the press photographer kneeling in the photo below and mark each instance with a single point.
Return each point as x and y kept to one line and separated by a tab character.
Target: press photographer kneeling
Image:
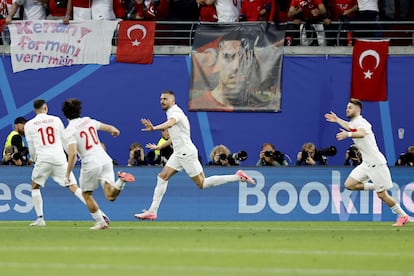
136	155
353	156
310	156
221	156
269	156
406	159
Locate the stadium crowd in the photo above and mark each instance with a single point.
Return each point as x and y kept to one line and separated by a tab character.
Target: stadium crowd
323	19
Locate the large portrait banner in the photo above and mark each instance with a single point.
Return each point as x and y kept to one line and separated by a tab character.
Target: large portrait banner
236	68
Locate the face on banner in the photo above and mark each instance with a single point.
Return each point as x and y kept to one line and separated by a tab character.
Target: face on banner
232	73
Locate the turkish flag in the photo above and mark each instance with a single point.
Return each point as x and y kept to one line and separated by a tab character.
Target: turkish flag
369	70
135	42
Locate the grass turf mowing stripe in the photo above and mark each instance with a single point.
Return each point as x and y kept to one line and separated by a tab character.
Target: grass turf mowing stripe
203	248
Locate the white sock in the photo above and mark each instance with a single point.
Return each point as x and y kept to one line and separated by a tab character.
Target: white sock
397	209
37	202
78	194
217	180
97	216
159	192
119	184
102	213
369	186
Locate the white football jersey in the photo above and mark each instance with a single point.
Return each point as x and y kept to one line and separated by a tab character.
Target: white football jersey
44	134
367	145
180	132
84	133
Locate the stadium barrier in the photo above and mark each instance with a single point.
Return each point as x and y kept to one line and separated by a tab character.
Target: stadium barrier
281	194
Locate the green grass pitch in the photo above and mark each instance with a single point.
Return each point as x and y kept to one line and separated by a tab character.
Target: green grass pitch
207	248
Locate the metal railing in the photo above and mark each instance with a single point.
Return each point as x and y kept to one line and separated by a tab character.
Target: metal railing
176	38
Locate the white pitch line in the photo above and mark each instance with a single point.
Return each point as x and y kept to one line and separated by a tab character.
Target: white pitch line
194	269
246	228
202	250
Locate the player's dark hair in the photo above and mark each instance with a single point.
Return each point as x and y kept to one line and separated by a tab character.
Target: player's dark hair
356	102
168	92
38	103
71	108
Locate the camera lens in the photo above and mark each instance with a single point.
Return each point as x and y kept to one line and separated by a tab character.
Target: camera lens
268	153
222	156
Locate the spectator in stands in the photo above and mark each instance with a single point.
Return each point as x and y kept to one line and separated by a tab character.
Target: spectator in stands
367	11
342	11
269	156
33	10
142	10
207	11
136	155
120	8
19	13
162	9
353	156
87	9
256	10
308	156
58	11
15	139
407	158
3	8
306	17
228	10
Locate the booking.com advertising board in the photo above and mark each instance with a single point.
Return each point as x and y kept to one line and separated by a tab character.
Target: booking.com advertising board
281	194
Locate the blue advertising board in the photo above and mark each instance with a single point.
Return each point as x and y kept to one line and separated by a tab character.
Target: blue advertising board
281	194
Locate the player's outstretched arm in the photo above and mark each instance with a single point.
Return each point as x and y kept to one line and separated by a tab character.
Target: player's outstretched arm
333	118
110	128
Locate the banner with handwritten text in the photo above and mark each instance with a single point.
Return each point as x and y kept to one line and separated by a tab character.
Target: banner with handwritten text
46	43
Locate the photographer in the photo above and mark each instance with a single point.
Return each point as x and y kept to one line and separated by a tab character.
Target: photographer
353	156
136	155
12	157
406	159
269	156
15	139
221	156
309	156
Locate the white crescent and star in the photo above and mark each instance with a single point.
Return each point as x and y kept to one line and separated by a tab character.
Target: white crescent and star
364	54
136	42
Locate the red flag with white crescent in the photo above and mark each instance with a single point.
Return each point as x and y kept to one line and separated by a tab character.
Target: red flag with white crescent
369	70
136	42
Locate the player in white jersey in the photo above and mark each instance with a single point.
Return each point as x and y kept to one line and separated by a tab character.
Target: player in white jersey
82	138
374	165
185	156
44	137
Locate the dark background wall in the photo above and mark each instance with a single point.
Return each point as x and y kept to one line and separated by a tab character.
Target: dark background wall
121	94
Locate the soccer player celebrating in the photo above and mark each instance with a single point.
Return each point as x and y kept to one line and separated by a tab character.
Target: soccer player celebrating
185	156
374	165
97	168
44	137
